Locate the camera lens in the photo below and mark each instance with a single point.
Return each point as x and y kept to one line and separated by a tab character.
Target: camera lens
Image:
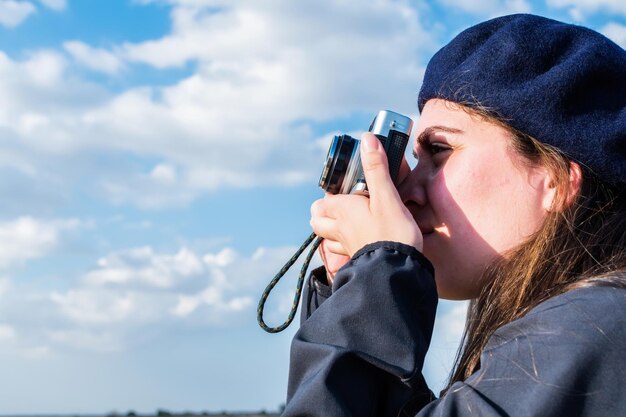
337	162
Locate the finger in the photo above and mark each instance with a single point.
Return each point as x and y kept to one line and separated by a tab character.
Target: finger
334	206
334	247
325	227
317	208
376	169
332	263
324	207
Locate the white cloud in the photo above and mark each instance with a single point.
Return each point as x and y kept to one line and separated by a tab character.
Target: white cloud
211	297
164	173
34	352
584	7
96	59
576	15
28	238
137	291
6	332
13	13
46	68
236	284
87	306
263	73
143	266
41	110
615	32
5	285
489	8
85	339
223	258
11	344
57	5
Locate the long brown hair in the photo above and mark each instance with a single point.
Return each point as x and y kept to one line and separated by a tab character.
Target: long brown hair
582	242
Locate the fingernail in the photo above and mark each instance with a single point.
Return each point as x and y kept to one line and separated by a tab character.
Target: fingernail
371	143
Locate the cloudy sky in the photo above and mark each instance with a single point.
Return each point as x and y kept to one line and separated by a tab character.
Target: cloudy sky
158	159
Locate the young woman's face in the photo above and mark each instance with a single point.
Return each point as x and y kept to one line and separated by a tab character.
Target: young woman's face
471	195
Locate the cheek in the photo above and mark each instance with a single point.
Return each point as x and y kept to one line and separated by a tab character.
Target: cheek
473	207
457	251
457	194
491	206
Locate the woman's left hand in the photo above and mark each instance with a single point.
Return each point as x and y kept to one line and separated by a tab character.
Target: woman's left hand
353	221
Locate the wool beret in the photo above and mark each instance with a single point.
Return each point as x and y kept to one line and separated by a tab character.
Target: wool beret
563	84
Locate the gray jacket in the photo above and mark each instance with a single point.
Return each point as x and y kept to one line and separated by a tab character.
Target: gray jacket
360	349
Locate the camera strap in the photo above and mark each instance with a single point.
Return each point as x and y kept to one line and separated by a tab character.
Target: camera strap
296	299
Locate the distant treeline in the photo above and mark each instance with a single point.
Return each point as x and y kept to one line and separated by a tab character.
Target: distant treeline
165	413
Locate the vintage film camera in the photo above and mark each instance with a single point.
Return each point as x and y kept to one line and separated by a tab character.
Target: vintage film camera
343	172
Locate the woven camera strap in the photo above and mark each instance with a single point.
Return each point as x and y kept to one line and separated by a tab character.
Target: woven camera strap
296	299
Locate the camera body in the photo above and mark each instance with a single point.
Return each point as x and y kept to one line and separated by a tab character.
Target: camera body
343	171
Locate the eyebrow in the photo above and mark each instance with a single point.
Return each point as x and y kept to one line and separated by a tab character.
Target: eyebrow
433	129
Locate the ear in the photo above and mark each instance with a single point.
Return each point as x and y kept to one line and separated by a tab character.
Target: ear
559	196
575	183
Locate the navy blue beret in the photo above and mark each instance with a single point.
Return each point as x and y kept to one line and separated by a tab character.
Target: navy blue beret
563	84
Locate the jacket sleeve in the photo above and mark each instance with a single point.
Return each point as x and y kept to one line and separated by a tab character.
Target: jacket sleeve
316	291
361	352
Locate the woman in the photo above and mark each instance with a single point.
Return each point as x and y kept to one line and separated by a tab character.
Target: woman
518	203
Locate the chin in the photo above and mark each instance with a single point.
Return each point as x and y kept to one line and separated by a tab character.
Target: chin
446	290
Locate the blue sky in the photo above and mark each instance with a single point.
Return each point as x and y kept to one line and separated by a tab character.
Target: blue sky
158	160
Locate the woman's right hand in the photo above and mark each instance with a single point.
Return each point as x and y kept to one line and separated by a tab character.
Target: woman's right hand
333	253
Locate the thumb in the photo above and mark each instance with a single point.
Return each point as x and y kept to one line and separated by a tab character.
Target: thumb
376	169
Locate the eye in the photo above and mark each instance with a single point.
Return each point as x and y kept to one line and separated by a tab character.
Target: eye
433	147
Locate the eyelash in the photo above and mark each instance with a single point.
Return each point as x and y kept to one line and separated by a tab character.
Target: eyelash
433	148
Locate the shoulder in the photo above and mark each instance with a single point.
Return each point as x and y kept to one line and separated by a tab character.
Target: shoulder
569	349
586	314
565	357
603	303
579	336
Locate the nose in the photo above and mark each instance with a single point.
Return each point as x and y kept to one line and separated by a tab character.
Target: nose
411	189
